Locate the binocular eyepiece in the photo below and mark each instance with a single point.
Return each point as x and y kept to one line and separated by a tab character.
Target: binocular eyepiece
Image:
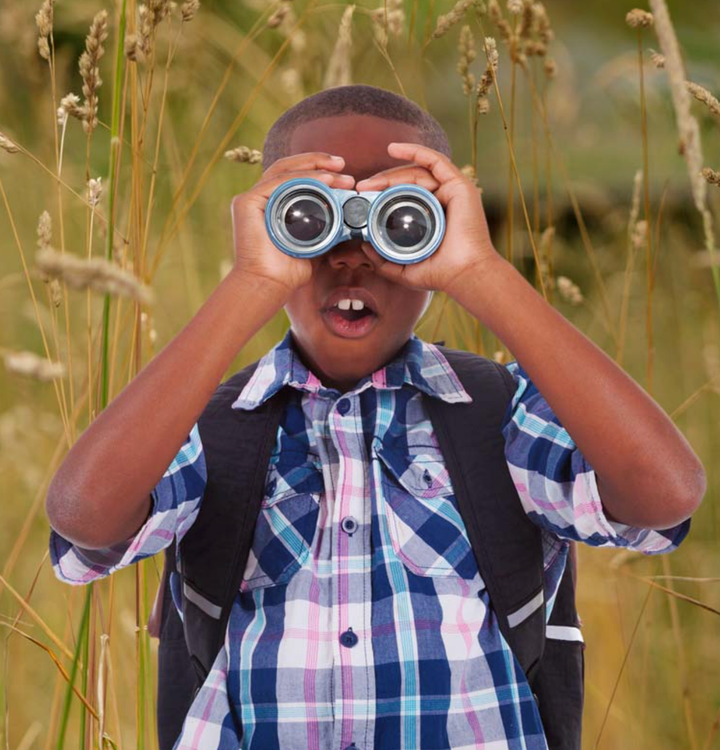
305	218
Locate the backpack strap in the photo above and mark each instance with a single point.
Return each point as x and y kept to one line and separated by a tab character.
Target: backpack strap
214	551
506	543
559	682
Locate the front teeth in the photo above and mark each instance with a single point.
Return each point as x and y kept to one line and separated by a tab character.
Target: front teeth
357	304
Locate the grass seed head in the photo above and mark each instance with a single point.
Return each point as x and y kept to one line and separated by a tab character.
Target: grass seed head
69	106
132	47
487	78
243	154
527	20
32	366
388	20
44	242
97	274
639	234
711	176
466	48
657	59
339	69
94	191
446	22
569	291
469	171
499	21
44	22
704	96
639	19
89	70
44	231
8	145
279	15
189	9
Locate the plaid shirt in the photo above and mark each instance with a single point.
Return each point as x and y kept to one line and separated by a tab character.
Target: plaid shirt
362	621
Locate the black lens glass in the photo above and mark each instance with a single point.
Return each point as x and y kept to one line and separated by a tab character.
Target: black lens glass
306	219
406	226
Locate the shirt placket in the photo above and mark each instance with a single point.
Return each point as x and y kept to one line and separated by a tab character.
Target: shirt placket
354	686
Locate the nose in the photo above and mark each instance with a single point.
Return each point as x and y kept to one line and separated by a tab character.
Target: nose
349	254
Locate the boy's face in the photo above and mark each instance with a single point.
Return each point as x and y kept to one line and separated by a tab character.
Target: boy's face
337	357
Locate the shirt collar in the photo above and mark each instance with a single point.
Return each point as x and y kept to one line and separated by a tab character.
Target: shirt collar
418	363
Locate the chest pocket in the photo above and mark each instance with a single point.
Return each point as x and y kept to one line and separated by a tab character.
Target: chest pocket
426	530
287	522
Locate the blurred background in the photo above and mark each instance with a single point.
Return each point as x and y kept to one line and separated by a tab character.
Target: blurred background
189	89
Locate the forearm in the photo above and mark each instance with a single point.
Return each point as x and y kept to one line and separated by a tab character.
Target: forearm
101	493
648	474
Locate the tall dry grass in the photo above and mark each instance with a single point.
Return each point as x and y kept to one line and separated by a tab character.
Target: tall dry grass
114	210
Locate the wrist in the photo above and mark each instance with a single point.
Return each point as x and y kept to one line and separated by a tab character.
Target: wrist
256	285
478	278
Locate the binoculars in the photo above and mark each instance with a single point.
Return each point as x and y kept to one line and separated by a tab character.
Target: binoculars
305	218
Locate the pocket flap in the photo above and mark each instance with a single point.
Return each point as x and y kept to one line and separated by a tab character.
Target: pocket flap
291	474
419	468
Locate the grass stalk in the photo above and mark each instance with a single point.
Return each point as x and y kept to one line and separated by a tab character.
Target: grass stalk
26	272
112	187
646	203
577	211
516	172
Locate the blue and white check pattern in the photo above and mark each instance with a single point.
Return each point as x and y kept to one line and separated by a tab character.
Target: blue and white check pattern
362	621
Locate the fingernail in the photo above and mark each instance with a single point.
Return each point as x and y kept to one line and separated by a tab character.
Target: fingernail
337	158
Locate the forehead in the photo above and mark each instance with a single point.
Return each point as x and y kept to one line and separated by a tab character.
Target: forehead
361	140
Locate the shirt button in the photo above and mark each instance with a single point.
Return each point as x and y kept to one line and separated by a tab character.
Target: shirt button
343	406
427	477
352	747
348	638
348	524
270	488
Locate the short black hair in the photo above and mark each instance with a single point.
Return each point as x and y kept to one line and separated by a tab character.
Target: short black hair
360	99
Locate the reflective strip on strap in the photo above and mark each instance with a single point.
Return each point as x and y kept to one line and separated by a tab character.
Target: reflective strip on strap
200	601
526	610
564	633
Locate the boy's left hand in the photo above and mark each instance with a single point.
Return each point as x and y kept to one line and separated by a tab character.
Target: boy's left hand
466	246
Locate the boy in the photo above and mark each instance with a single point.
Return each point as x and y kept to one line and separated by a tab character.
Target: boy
367	637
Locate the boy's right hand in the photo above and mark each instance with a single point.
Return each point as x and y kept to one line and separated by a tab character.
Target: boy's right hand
254	251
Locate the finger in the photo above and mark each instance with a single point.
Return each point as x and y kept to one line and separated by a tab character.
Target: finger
305	160
439	164
400	176
332	179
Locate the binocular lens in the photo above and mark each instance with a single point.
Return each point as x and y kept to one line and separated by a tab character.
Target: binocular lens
405	224
306	217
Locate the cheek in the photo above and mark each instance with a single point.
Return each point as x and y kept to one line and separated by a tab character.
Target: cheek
405	305
301	310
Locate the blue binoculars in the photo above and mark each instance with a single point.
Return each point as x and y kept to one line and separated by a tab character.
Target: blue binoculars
305	218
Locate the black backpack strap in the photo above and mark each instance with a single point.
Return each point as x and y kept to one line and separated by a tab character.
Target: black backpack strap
214	552
506	543
176	685
559	682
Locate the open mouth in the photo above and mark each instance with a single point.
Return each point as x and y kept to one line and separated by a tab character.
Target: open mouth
350	318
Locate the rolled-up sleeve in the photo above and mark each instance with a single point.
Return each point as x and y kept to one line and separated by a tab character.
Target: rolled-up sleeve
175	504
556	484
